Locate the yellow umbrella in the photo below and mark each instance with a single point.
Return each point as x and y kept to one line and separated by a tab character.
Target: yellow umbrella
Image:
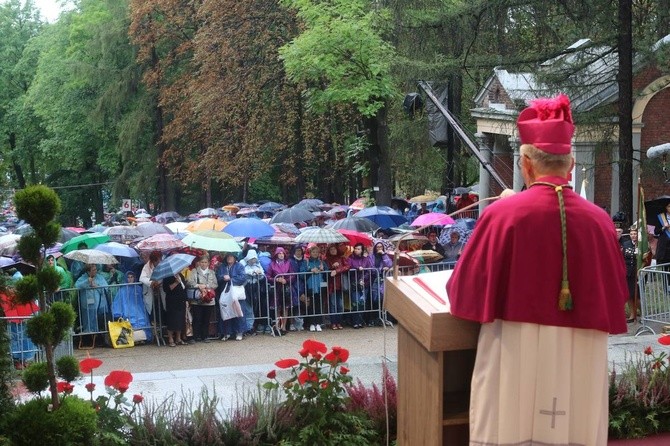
230	208
423	199
204	224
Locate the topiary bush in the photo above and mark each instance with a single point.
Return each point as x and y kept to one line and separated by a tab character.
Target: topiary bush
73	424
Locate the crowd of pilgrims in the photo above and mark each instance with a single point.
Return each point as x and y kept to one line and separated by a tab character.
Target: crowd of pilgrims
258	270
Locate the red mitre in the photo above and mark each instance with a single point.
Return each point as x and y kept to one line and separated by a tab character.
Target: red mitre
547	124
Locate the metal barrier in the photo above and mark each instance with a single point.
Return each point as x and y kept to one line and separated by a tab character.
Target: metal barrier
22	350
353	298
654	286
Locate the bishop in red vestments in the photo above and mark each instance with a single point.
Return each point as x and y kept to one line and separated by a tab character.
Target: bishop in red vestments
544	275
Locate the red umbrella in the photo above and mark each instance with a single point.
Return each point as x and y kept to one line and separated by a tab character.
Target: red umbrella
356	237
13	309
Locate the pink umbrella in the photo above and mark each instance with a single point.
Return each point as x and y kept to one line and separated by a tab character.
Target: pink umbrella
358	204
433	219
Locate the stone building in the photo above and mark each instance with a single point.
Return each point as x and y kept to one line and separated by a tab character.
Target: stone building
592	88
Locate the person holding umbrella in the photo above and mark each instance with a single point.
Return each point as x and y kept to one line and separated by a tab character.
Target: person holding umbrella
93	305
203	279
149	286
175	308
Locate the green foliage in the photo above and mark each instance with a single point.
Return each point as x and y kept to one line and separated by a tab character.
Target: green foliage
30	247
26	289
639	397
73	424
7	404
51	327
64	317
341	55
67	368
36	377
37	205
49	279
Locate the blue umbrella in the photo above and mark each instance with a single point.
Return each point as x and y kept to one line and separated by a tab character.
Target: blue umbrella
117	249
249	227
384	216
171	266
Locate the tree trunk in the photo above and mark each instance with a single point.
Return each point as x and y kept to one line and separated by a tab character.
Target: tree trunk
379	152
18	171
625	83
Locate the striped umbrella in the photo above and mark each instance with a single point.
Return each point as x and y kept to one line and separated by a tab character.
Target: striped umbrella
321	235
171	266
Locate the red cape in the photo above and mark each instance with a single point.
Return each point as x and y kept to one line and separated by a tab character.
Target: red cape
511	267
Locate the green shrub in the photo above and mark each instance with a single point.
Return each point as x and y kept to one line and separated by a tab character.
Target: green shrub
73	424
36	377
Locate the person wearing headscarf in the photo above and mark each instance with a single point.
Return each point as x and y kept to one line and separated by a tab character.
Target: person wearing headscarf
298	286
381	263
337	265
278	275
255	290
203	279
360	267
544	276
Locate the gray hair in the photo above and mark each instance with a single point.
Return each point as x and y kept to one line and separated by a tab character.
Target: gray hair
547	162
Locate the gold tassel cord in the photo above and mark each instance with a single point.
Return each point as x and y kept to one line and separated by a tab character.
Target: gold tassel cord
564	297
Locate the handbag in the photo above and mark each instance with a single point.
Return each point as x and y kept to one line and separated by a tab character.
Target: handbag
121	333
239	293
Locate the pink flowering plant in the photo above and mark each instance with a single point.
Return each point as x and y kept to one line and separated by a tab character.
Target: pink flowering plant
639	395
316	389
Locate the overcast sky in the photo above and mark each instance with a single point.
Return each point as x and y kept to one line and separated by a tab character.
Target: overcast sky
49	9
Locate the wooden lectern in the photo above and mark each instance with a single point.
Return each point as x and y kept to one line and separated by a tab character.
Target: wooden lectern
436	355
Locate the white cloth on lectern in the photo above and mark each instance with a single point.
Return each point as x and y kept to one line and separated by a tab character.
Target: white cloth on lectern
539	385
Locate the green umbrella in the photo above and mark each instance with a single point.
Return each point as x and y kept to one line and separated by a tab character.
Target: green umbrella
90	240
212	240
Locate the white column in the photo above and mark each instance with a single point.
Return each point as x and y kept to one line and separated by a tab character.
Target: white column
517	180
584	168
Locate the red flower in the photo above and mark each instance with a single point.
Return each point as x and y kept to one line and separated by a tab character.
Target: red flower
303	352
90	387
314	347
307	375
338	355
648	351
344	370
61	386
119	379
87	365
272	374
324	384
137	399
665	340
287	363
657	365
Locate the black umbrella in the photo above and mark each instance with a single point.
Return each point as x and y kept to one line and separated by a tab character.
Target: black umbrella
355	224
292	215
65	234
270	206
654	207
311	207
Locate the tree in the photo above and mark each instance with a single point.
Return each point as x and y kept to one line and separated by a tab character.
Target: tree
38	206
19	24
343	59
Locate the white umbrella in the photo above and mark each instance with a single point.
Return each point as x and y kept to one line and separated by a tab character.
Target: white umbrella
92	256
